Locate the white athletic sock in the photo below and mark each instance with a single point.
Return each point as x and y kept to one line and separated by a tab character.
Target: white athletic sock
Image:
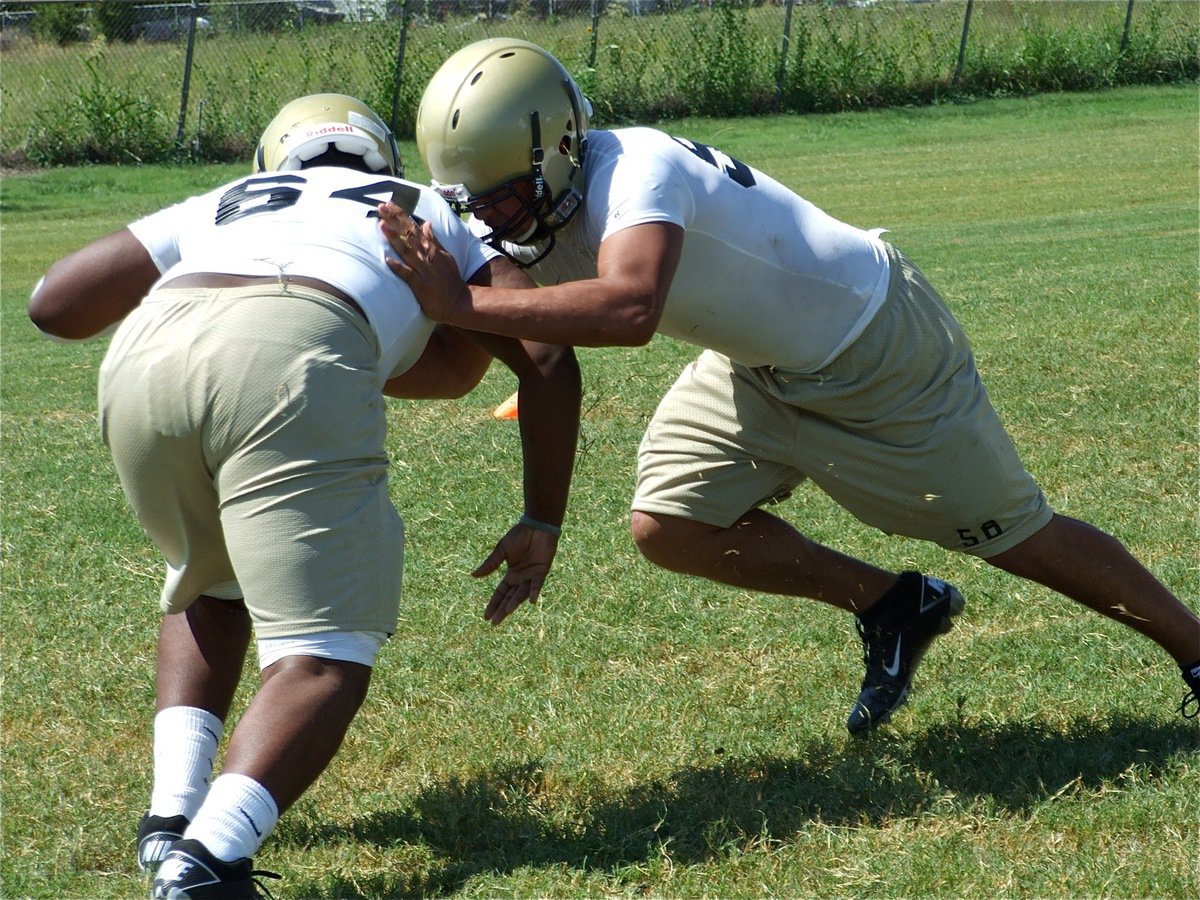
235	819
185	748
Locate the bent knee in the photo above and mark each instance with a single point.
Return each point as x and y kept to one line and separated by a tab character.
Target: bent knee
348	680
645	531
663	540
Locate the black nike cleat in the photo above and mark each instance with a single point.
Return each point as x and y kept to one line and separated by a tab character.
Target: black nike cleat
155	836
895	634
190	872
1190	707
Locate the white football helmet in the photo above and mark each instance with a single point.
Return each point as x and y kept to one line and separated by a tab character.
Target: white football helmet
497	113
309	126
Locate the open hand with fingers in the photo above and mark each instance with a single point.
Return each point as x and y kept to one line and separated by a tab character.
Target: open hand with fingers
528	552
423	264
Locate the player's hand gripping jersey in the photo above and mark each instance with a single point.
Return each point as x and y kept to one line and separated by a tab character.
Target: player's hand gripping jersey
284	223
765	278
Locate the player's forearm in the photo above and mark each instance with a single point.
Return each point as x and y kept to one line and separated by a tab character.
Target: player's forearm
580	313
549	402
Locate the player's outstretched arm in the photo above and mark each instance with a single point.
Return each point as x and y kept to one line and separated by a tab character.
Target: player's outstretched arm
621	306
90	290
549	397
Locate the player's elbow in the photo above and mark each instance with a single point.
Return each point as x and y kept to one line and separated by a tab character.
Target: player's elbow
638	324
639	335
555	361
430	383
43	320
51	316
460	383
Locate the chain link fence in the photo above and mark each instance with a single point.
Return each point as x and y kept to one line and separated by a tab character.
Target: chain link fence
125	81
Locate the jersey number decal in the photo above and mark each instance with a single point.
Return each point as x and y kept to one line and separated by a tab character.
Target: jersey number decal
362	194
735	169
990	529
271	192
258	195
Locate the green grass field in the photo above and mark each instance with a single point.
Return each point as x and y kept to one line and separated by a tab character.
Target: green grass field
638	733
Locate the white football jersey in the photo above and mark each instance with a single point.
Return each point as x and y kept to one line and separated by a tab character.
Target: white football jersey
319	223
765	278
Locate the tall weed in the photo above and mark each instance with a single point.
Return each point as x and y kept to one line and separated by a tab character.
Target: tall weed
722	60
728	77
105	122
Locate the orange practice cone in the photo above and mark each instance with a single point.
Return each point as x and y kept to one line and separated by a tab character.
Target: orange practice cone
507	409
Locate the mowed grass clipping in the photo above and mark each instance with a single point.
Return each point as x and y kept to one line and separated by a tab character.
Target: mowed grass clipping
640	733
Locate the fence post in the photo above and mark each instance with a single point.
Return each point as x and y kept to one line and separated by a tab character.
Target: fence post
962	45
399	76
595	30
783	51
187	73
1125	33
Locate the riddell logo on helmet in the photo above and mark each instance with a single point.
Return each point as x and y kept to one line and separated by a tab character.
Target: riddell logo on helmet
331	128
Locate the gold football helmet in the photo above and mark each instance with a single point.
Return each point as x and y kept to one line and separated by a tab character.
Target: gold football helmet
499	112
308	126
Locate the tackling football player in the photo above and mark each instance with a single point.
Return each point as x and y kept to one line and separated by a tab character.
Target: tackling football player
827	357
242	399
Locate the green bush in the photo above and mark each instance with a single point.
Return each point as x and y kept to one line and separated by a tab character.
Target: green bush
61	23
115	19
273	17
105	123
1143	60
729	79
723	60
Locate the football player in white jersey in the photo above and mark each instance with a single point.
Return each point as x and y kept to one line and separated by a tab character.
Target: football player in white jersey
242	399
827	357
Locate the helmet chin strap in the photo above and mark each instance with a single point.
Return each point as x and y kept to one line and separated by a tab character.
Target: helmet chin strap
566	207
523	255
539	156
527	234
558	209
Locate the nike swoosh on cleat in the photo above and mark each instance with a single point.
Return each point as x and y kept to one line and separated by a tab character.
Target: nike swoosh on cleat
894	669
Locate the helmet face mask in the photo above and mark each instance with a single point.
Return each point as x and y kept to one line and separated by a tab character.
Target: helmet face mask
309	126
523	225
498	115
